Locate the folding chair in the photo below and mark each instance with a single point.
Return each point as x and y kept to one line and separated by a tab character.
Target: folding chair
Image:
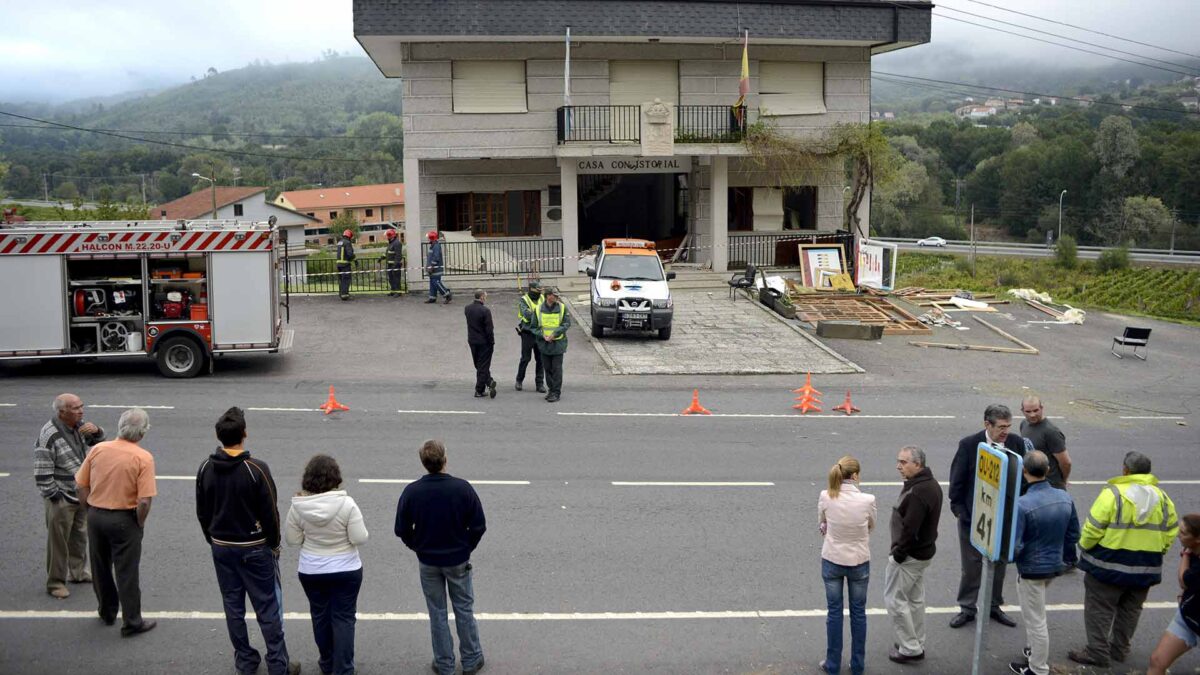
1133	337
737	283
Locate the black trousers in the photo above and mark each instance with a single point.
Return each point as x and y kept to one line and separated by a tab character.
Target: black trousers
252	571
482	356
115	545
394	275
553	364
333	599
972	574
343	280
529	350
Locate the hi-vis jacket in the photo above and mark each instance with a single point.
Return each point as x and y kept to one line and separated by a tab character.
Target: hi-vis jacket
1131	525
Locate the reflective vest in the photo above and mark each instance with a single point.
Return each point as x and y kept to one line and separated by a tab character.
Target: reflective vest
551	320
522	317
1130	526
342	258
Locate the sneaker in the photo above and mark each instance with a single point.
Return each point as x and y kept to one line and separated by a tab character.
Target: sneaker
60	593
431	301
541	389
552	398
895	656
478	667
1085	657
1020	668
143	627
518	385
479	394
448	297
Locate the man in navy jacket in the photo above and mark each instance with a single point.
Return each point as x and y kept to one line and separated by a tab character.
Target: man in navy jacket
997	426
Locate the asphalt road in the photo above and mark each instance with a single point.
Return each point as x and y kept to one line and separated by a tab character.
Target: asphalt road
581	571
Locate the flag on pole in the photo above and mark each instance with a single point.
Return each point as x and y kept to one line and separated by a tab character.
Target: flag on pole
744	82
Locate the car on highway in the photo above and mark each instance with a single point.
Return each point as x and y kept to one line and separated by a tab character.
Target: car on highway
931	241
629	289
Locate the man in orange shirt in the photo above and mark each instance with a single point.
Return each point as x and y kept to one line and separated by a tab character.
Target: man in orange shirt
116	482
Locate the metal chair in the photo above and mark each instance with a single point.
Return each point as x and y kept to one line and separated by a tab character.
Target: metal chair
1133	337
745	281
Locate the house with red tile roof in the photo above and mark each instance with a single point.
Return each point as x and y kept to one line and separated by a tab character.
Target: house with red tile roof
237	203
375	207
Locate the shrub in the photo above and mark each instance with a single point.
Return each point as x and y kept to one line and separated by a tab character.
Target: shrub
963	265
1066	253
1113	259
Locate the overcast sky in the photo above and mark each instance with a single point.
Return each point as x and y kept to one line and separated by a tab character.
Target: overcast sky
66	49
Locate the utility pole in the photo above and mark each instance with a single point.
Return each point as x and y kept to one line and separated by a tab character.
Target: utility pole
957	182
46	186
972	240
1174	221
1060	203
143	189
214	189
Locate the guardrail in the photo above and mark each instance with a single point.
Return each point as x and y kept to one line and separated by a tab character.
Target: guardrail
500	256
1035	247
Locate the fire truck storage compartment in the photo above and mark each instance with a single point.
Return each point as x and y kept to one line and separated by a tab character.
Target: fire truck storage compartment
32	315
242	292
105	300
178	288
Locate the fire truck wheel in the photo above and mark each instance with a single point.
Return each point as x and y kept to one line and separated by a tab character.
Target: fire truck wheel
180	357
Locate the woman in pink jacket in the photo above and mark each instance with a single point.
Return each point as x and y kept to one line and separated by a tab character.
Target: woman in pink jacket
845	517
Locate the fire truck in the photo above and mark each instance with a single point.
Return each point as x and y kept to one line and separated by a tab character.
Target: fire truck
179	292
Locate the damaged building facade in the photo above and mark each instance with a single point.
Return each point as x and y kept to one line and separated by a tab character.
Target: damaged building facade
542	127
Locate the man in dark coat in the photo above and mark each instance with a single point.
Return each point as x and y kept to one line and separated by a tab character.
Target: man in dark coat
481	337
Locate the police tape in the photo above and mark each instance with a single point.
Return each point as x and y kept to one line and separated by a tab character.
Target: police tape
524	266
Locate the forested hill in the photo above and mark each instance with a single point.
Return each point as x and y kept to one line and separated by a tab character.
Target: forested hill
311	115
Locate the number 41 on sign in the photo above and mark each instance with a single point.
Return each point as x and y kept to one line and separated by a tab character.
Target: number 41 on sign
997	482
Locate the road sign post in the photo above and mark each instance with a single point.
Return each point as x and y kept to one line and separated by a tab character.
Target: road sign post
993	512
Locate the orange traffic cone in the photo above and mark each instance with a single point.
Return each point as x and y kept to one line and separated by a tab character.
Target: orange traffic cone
847	407
807	388
695	408
806	403
331	404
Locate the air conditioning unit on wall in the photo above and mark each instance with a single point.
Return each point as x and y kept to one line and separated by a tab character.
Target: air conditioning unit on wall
552	214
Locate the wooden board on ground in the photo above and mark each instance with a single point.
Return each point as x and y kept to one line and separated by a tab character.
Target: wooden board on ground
1022	348
864	309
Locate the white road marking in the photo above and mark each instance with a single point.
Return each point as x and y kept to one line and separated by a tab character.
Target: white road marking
1074	482
8	405
548	616
441	412
144	407
472	482
3	475
621	483
1152	417
760	415
285	409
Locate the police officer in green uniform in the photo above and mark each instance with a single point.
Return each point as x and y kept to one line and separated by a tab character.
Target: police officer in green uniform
550	324
345	256
526	308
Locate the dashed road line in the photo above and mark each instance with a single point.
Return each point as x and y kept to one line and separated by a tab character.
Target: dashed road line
404	481
3	475
547	616
441	412
126	407
761	415
1074	482
175	478
621	483
8	405
1152	417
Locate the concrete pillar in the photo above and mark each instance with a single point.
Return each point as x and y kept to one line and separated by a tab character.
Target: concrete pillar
413	235
719	199
569	172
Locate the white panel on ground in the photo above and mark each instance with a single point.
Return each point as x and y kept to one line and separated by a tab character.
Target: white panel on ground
32	313
240	297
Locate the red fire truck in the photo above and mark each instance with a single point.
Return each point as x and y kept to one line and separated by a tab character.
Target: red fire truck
179	292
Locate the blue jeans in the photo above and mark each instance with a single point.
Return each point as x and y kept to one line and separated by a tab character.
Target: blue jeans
333	598
436	286
856	581
252	571
435	581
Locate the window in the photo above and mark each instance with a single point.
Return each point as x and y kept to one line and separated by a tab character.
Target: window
638	82
163	213
555	196
500	214
237	209
741	209
310	214
791	88
488	86
800	208
333	215
369	213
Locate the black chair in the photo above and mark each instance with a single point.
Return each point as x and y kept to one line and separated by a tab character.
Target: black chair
737	283
1133	337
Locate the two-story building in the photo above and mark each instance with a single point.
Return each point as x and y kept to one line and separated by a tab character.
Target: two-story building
375	207
573	120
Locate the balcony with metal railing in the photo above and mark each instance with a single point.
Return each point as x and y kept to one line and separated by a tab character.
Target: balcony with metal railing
623	124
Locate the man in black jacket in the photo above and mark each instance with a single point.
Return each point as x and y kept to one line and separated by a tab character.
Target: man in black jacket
914	535
441	519
481	338
997	430
236	507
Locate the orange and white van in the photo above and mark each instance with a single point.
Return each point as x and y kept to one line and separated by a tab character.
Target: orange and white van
629	289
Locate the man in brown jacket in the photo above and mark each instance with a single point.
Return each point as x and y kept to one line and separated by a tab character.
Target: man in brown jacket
914	534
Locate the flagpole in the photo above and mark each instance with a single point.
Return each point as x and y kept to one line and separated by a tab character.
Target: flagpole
567	72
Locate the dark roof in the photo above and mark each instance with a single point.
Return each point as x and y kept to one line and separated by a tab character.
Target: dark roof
878	21
198	205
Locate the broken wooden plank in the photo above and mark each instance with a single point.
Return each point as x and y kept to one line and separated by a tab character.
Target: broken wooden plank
978	348
1026	345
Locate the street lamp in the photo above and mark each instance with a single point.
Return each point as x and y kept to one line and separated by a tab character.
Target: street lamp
214	191
1060	200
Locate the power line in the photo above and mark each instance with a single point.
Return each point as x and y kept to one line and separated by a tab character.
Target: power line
1086	30
211	133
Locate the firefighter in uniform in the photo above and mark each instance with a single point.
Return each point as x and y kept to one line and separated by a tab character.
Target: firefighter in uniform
395	263
526	307
345	256
550	323
435	267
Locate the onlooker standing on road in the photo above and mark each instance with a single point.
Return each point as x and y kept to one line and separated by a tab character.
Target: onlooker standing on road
61	446
1047	530
481	338
845	517
997	430
328	526
914	535
345	261
1130	526
526	307
1184	632
435	266
1046	437
551	322
441	519
236	507
394	259
116	482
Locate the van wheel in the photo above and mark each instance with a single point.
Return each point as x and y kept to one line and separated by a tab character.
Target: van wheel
180	357
664	333
597	329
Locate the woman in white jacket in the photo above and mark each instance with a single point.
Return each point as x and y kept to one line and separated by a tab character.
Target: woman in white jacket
328	526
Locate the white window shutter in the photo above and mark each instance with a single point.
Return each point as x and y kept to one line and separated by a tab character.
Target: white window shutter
640	82
489	87
791	88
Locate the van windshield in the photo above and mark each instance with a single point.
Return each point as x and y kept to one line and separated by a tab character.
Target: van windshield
631	268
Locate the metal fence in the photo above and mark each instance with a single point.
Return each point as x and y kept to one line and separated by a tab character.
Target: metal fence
781	249
600	123
709	123
368	274
501	256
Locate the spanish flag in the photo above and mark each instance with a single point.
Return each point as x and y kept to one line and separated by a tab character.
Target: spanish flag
744	83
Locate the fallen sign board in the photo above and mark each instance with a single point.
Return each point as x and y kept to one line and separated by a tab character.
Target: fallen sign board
1025	347
865	309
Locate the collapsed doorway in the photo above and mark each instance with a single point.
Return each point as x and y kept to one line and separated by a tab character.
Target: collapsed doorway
643	206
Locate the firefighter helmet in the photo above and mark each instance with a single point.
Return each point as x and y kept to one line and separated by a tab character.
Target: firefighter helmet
349	234
432	235
391	234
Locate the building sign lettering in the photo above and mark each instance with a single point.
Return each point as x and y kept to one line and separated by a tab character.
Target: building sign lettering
634	165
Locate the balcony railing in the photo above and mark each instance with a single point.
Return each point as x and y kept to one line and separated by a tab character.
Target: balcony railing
710	124
781	249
